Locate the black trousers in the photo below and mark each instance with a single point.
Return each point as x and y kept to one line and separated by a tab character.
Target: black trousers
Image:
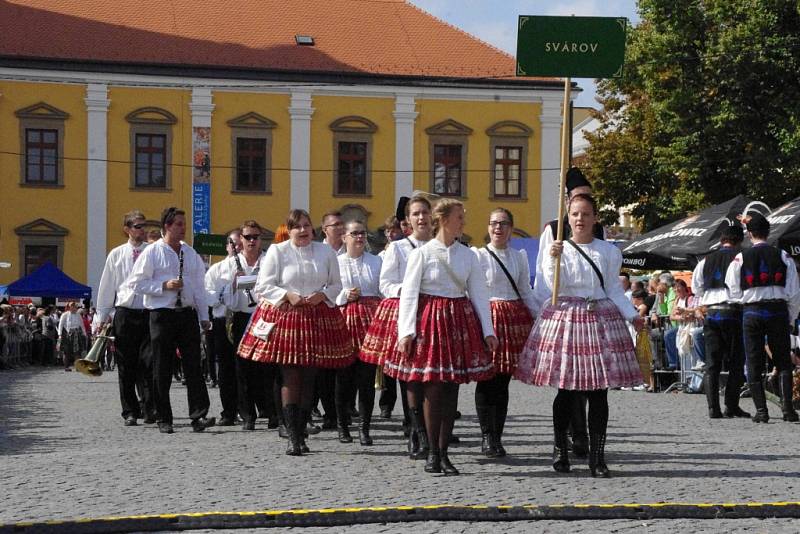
325	388
134	361
722	330
358	376
226	375
255	380
770	320
171	330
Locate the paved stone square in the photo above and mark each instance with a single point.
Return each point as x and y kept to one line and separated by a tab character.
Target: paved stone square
64	453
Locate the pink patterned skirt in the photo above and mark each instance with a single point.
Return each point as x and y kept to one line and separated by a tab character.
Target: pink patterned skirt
381	338
357	317
448	348
309	336
574	348
512	323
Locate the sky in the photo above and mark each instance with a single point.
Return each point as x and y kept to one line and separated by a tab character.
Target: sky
495	21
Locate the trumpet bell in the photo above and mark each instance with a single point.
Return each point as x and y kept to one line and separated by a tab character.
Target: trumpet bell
88	367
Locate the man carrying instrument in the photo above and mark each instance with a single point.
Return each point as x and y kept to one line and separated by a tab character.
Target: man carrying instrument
217	286
255	379
170	276
117	302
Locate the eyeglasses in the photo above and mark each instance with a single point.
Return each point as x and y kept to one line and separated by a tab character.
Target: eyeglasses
501	224
335	225
360	233
251	237
138	226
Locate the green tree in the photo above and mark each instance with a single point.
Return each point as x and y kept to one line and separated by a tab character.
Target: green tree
708	108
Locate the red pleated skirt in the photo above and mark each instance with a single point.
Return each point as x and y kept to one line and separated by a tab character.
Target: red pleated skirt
357	317
512	323
309	336
449	345
381	338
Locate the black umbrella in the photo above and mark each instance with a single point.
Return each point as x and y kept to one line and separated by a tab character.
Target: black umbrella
784	224
682	244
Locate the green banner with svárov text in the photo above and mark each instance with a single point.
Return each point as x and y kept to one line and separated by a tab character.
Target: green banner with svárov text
578	47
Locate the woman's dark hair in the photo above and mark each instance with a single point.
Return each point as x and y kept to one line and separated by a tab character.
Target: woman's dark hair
586	198
639	294
503	210
169	214
679	282
294	218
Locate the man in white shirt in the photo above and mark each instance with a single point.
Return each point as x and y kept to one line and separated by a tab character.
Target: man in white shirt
221	350
722	327
131	322
333	228
765	279
170	275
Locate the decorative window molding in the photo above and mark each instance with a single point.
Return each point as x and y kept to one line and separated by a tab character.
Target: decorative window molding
508	177
149	123
44	237
41	119
450	134
251	139
352	155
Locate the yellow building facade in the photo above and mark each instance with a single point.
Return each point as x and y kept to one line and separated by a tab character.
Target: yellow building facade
74	218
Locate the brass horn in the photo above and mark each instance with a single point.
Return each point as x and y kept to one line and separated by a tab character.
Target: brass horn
90	365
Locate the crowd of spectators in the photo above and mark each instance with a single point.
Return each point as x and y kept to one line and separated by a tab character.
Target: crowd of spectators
29	335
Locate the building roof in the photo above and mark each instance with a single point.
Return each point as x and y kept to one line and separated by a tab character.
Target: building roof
353	37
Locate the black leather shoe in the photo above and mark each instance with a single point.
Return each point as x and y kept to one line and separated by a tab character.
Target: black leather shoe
735	412
165	428
447	467
149	419
248	425
714	414
363	436
226	421
434	463
198	425
130	421
344	435
560	453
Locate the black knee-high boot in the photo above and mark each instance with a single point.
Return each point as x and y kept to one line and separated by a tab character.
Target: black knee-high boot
760	402
291	414
562	408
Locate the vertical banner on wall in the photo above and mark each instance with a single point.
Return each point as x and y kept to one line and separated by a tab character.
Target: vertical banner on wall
201	180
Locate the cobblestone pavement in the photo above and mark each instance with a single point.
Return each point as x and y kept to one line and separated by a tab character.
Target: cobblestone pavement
64	453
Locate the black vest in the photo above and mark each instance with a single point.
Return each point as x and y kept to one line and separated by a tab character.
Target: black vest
762	266
597	231
716	266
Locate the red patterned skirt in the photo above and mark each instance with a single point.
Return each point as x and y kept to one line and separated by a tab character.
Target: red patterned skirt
357	317
309	336
512	323
449	345
381	338
572	347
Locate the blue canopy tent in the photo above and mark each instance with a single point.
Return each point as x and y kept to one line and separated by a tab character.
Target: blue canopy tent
49	281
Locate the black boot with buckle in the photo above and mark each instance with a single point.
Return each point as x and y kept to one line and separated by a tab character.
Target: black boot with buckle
560	452
486	420
597	460
291	415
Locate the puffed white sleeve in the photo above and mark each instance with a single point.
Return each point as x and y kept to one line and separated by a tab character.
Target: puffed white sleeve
141	277
107	291
269	276
698	287
524	284
614	288
479	294
390	281
541	290
792	287
333	285
732	278
341	298
409	296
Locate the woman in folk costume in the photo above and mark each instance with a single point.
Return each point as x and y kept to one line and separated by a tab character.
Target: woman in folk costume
512	303
582	343
381	339
359	299
443	323
297	324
